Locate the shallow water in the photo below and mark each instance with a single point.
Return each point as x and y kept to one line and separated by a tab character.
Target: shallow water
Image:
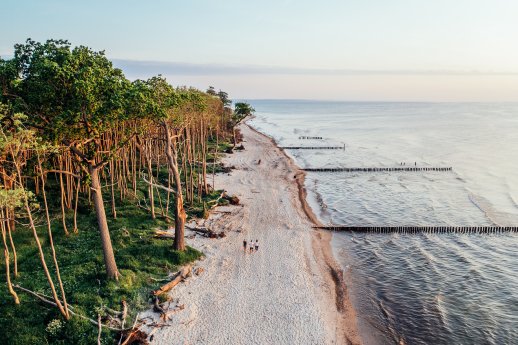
428	288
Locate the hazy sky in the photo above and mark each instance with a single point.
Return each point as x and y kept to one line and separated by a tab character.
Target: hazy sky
441	50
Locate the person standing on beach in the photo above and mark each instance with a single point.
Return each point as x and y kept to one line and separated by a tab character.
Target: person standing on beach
244	245
251	246
256	245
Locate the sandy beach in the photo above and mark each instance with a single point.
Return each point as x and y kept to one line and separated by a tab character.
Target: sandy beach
288	292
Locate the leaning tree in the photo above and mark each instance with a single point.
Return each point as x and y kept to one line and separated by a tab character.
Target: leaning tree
165	102
242	110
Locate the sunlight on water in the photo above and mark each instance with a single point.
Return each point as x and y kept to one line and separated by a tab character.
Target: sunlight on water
421	289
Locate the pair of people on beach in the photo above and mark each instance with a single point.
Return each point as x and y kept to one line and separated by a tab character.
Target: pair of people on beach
251	245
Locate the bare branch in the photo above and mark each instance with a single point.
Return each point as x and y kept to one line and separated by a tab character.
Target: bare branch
159	186
60	172
71	312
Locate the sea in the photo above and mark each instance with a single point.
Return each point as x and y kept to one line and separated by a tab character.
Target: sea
414	288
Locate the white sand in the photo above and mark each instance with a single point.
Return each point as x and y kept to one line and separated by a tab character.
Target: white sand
278	295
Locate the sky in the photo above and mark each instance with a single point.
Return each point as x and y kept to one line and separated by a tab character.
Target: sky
368	50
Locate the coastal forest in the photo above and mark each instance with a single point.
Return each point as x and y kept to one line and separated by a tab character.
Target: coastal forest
93	167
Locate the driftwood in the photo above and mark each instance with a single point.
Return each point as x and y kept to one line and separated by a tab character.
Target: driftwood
157	308
227	169
156	326
207	232
232	199
165	312
201	231
135	336
223	212
163	234
177	278
166	315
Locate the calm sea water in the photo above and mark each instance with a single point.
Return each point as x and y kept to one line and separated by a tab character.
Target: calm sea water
428	288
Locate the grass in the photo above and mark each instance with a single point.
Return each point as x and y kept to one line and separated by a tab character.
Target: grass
140	257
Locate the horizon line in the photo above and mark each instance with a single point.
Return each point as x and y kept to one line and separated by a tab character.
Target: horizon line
187	68
363	101
190	69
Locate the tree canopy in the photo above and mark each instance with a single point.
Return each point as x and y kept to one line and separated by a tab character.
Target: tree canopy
102	127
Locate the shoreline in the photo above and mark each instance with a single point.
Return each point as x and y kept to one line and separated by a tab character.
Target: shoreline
323	249
291	291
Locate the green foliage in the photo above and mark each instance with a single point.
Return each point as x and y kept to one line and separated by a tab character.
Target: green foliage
70	93
140	256
56	98
11	198
223	96
211	91
242	110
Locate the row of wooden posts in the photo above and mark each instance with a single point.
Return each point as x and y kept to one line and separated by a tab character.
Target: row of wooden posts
313	147
398	229
306	137
380	169
424	229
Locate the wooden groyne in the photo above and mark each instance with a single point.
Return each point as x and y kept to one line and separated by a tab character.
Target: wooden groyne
313	147
305	137
423	229
380	169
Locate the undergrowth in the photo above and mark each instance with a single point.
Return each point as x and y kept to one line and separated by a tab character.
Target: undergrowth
142	259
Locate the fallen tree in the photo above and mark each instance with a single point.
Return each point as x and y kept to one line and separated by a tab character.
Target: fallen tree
180	276
207	232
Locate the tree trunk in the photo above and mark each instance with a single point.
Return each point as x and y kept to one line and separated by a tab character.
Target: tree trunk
203	141
214	163
51	240
40	251
76	230
151	192
179	211
13	248
109	258
3	224
168	193
112	188
63	216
